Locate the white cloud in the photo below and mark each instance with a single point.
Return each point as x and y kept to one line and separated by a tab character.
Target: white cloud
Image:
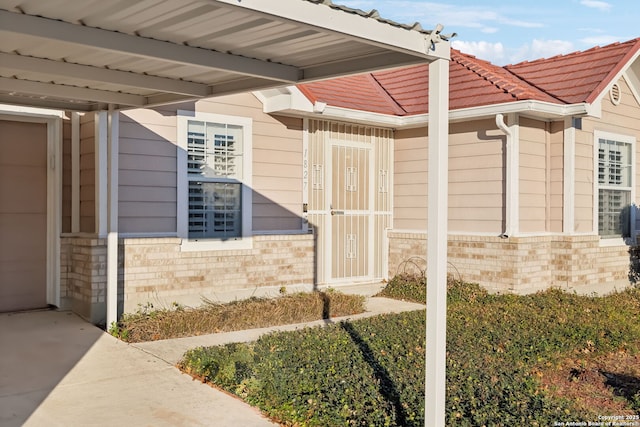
600	40
541	49
492	52
596	4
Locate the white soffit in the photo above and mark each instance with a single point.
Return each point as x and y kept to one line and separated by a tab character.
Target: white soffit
85	55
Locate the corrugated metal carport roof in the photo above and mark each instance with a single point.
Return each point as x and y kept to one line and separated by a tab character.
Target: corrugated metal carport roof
85	55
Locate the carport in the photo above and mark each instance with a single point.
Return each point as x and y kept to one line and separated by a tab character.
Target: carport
104	56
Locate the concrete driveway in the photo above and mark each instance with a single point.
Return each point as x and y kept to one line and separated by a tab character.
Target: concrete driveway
58	370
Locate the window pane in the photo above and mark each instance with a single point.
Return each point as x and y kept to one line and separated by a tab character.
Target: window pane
614	163
214	210
215	150
612	206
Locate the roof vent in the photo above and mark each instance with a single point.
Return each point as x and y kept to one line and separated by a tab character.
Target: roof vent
615	94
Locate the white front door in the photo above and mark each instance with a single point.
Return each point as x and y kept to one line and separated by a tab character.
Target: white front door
349	194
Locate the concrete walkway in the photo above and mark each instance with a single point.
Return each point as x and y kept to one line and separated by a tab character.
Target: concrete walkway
58	370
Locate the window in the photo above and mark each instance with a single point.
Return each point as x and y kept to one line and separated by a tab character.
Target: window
615	183
215	163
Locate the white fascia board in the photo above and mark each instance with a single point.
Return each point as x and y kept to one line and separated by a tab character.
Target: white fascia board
64	92
617	77
13	62
281	104
359	28
19	110
96	38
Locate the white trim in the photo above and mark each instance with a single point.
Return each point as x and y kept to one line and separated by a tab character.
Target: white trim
101	173
291	101
182	214
569	184
280	232
75	172
628	139
53	121
149	235
305	174
112	215
616	78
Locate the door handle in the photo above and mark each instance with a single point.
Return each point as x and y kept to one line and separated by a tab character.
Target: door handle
337	212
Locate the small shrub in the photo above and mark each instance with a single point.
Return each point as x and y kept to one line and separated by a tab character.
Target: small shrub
406	287
148	324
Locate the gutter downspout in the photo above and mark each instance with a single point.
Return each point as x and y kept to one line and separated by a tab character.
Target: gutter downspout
512	178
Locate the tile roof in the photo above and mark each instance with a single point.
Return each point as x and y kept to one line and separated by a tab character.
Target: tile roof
573	78
579	76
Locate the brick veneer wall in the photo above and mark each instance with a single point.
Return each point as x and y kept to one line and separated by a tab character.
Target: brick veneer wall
521	264
156	271
83	276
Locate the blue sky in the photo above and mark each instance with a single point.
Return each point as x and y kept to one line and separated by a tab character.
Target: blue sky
510	31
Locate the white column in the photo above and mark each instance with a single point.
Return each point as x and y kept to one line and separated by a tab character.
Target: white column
435	387
112	215
101	173
568	214
75	172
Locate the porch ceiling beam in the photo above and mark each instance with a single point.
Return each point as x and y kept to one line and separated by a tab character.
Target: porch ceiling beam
64	92
17	63
382	61
96	38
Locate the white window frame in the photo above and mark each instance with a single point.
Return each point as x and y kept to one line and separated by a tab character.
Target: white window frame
245	241
627	139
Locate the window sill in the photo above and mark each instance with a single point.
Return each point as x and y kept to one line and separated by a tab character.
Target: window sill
612	241
216	244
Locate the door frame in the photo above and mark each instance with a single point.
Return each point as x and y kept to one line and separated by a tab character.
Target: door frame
53	120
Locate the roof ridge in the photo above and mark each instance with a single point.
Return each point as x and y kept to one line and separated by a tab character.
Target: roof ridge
500	77
635	47
381	89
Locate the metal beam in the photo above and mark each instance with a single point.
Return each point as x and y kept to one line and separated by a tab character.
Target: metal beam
88	73
69	92
347	25
381	61
96	38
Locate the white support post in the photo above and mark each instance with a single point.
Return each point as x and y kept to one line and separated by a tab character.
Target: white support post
568	208
101	173
75	172
436	334
112	215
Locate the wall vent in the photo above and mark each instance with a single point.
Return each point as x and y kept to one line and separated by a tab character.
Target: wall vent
615	93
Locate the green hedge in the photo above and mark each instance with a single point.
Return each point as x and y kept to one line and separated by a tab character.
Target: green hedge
371	372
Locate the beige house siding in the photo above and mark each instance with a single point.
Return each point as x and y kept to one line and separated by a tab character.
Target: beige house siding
147	176
410	180
476	176
87	174
534	165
